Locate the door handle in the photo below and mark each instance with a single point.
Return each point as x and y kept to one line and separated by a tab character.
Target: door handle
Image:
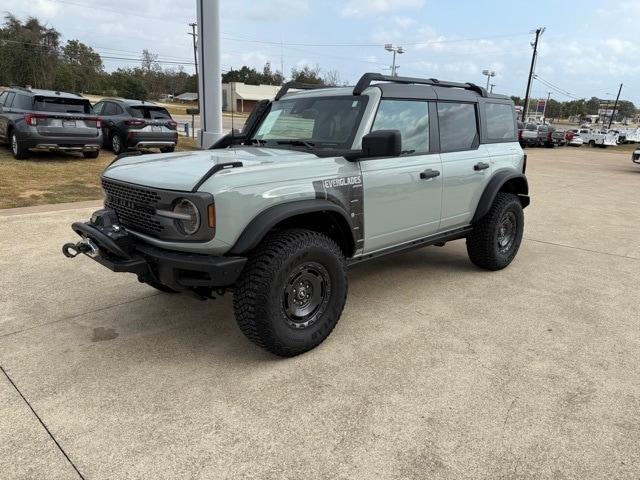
429	173
480	166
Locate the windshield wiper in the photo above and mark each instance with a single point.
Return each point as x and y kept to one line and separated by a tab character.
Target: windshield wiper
297	143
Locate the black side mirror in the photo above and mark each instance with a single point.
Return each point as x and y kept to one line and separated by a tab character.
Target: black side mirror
382	143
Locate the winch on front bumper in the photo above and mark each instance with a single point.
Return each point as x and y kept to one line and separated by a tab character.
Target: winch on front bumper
108	243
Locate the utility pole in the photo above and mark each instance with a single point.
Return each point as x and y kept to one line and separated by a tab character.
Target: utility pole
544	110
615	105
539	31
195	49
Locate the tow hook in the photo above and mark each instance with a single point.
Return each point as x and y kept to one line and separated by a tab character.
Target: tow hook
86	246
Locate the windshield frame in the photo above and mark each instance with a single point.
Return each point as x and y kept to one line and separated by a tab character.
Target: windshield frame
312	144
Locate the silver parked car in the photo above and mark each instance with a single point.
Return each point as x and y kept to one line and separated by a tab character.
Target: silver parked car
318	180
44	120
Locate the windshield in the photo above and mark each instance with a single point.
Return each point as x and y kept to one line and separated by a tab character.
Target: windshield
153	113
62	105
314	122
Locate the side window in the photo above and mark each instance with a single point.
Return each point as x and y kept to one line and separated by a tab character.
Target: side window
411	117
119	110
3	96
22	102
500	121
97	108
9	100
109	109
458	127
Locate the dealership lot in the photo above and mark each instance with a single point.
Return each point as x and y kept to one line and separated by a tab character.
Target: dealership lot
436	369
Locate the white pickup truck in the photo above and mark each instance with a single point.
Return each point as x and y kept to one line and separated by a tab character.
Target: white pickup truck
598	138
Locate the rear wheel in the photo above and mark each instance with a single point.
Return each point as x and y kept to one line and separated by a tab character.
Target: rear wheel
291	292
495	239
117	143
592	143
92	154
168	149
19	153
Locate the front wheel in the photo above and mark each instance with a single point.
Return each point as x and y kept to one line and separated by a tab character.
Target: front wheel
495	239
91	154
291	292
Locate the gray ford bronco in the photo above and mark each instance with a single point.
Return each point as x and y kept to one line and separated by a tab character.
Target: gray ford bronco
318	180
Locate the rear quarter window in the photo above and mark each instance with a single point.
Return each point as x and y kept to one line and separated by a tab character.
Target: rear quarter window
22	102
500	121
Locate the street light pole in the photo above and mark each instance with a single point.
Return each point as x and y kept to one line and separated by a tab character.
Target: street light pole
195	50
488	74
394	49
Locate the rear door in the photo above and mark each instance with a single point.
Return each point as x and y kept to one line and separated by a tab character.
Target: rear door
403	195
466	165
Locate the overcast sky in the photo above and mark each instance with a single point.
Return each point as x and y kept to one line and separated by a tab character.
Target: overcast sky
589	48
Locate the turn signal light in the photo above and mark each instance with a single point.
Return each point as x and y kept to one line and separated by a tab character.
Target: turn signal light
211	215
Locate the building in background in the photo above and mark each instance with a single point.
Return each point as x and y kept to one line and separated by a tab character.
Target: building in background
187	97
240	97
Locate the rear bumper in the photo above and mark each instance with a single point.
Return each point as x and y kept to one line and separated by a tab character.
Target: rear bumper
66	144
140	140
119	251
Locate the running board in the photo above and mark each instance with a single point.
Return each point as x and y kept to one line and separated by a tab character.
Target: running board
439	238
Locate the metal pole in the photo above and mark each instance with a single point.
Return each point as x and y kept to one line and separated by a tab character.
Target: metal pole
492	85
393	67
195	49
615	105
488	80
210	78
533	64
544	110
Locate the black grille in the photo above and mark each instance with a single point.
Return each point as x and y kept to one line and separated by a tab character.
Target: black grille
135	206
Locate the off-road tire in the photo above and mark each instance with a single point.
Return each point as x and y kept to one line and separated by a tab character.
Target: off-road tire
260	295
18	152
483	244
91	154
117	146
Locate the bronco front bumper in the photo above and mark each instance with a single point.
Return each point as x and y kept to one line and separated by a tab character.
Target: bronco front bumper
109	244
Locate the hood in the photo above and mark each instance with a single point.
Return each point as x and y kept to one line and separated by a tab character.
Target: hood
182	171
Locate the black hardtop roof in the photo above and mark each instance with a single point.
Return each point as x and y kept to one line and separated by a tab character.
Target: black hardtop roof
46	93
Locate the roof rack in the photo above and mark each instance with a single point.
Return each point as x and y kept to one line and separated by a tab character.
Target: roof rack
298	86
367	78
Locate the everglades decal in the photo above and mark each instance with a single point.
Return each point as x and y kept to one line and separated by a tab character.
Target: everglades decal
349	194
342	182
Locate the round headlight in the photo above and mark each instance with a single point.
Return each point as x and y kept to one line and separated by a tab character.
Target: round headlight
189	220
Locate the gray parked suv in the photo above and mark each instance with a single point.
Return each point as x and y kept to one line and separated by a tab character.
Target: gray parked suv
135	124
43	120
318	180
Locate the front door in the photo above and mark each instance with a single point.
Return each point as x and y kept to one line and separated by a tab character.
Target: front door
402	195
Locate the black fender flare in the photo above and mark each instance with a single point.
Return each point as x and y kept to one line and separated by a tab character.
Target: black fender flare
518	185
262	223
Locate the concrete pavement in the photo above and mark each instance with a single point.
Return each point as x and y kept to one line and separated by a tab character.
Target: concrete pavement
436	370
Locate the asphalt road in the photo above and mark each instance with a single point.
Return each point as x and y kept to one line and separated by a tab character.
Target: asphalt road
436	370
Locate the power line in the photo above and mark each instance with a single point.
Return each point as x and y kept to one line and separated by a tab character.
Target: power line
237	38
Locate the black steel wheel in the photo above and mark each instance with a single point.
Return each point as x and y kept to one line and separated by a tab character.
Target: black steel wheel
292	291
495	239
